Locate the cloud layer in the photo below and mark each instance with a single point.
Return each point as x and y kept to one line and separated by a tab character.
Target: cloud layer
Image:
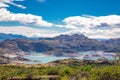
27	31
93	26
5	3
7	16
97	33
23	18
92	21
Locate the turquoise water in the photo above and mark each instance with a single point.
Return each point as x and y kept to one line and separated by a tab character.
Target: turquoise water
40	58
43	58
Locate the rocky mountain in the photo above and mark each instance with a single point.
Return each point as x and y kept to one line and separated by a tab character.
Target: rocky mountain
10	36
113	45
62	45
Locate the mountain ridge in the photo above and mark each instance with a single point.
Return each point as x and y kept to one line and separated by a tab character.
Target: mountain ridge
4	36
62	43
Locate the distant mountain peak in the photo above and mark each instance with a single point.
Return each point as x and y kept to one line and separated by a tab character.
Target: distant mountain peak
4	36
70	37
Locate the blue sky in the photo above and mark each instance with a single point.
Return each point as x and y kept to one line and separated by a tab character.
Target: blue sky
55	10
46	18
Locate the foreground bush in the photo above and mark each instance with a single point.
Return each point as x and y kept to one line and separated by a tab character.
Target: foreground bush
61	72
106	73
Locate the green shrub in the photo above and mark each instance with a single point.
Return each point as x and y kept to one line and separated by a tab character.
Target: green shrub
106	73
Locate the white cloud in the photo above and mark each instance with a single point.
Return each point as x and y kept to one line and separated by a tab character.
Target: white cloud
109	33
8	16
94	27
92	21
2	5
93	33
27	31
5	3
23	18
32	32
70	26
20	6
66	26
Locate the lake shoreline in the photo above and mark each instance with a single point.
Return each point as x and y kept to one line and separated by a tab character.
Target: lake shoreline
40	58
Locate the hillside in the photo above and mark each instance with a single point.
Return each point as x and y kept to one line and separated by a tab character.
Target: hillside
68	69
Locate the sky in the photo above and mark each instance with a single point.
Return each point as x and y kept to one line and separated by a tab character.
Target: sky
49	18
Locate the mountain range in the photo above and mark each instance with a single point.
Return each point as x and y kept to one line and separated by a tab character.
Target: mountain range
62	45
59	46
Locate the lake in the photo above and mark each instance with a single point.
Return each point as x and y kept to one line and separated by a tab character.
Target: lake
41	58
88	55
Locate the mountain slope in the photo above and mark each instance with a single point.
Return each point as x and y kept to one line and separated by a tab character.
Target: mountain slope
113	45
